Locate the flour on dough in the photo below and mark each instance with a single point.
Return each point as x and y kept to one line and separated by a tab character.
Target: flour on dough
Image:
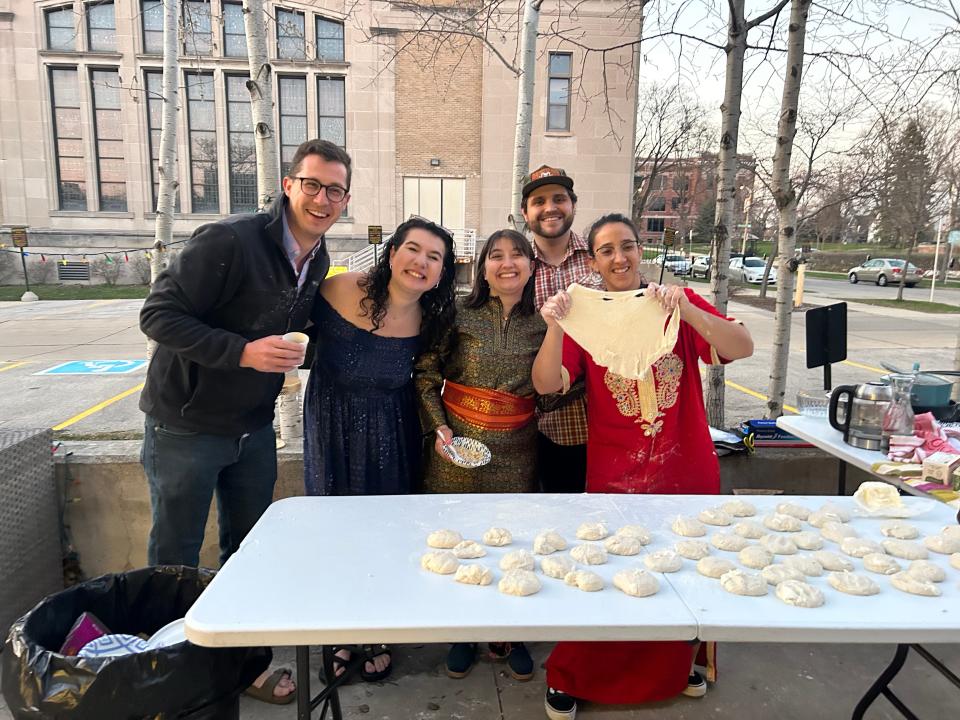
905	549
739	508
832	561
858	547
899	529
797	511
664	561
806	540
881	563
755	557
750	529
519	582
714	567
636	531
729	542
589	554
517	560
557	566
687	526
585	580
778	544
548	542
836	531
468	549
741	582
636	582
944	544
805	564
444	539
473	574
799	594
692	549
776	574
905	582
497	537
622	545
852	583
926	570
442	562
782	523
592	531
715	516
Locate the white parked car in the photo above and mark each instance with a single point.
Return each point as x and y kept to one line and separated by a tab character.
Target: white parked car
677	264
701	267
750	270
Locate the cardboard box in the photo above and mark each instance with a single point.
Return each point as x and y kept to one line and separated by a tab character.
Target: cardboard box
939	467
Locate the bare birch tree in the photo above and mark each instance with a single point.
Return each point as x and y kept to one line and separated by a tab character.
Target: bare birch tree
521	147
260	87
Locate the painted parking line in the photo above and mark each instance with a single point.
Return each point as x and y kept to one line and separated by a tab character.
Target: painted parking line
851	363
751	393
14	365
98	407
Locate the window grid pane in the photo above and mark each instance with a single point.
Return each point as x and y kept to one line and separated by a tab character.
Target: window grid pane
558	92
68	138
101	27
197	28
108	139
291	35
242	149
329	40
234	34
204	183
152	14
292	94
61	33
332	113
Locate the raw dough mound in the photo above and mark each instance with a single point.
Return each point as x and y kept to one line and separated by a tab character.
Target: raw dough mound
592	531
686	526
517	560
907	583
589	554
497	537
782	523
740	582
776	574
473	574
664	561
636	582
852	583
750	529
729	542
622	545
442	562
926	570
797	511
557	566
878	496
692	549
548	542
832	561
714	567
955	560
951	531
805	564
858	547
807	540
755	557
444	539
836	532
636	531
899	529
837	512
739	508
799	594
943	544
468	549
519	582
778	544
905	549
881	564
715	516
585	580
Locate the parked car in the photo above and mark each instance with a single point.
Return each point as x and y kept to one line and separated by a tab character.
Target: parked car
750	270
701	267
677	264
884	271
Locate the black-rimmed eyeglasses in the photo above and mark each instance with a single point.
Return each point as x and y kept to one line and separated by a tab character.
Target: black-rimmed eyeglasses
312	187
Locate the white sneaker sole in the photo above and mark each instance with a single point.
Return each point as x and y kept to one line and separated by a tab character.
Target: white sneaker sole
557	715
696	691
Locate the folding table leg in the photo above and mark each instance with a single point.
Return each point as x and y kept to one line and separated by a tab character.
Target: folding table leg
882	687
332	695
303	683
842	478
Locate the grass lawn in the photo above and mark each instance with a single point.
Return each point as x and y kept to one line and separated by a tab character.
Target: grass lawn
917	305
76	292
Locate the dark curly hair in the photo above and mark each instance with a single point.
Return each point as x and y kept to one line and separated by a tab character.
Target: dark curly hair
437	306
481	288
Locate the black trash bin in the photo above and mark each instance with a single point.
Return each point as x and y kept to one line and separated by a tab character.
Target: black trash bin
180	681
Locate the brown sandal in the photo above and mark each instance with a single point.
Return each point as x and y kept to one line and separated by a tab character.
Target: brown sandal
264	693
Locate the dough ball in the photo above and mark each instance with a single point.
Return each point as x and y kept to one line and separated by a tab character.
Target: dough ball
782	523
636	531
926	570
875	495
729	542
799	594
905	549
444	539
473	574
497	537
778	544
943	544
548	542
589	554
832	561
442	562
686	526
739	508
622	545
899	529
806	540
905	582
750	529
692	549
517	560
955	560
951	531
755	557
776	574
519	582
586	580
557	566
852	583
858	547
714	567
839	514
836	532
636	582
805	564
741	582
797	511
592	531
880	563
468	549
715	516
664	561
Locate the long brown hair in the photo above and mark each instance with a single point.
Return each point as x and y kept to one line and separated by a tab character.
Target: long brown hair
480	293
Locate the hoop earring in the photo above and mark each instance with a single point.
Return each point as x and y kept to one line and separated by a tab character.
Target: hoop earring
390	264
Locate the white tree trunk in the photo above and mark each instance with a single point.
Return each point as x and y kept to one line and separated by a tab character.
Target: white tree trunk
521	146
260	86
786	198
956	366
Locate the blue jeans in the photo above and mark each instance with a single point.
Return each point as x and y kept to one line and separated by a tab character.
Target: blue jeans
184	469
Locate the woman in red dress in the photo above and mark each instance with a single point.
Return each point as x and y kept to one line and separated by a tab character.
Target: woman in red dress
644	436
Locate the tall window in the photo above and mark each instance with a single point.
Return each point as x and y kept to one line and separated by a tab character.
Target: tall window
291	35
292	93
152	14
240	143
655	224
332	112
109	140
154	85
202	124
234	35
558	93
61	33
197	28
329	40
658	204
101	27
68	139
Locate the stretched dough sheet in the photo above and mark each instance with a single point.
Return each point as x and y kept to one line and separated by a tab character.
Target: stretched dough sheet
624	332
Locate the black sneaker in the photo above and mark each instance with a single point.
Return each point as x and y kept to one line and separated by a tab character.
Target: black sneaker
559	705
696	685
517	657
460	659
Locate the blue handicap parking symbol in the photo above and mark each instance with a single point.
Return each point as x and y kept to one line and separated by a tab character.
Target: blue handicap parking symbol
94	367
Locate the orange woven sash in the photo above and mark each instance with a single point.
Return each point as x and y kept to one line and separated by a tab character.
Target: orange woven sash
488	409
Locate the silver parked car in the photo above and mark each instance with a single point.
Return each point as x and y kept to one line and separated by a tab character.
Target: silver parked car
677	264
884	271
701	267
750	270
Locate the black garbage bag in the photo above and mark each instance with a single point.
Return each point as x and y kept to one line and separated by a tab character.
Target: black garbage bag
180	681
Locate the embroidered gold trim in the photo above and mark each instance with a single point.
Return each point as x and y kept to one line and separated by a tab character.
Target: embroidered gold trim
647	399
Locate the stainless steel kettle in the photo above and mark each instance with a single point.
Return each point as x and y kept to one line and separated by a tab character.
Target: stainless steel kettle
862	424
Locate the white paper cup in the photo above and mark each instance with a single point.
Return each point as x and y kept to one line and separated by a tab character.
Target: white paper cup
297	337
